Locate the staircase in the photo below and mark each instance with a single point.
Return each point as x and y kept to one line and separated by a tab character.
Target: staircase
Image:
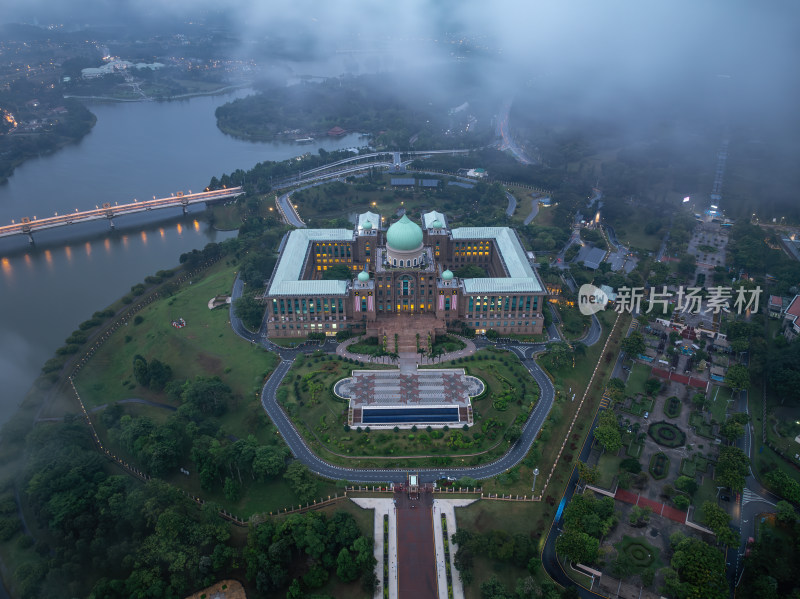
406	327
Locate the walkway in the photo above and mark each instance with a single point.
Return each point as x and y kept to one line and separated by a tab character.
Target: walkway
383	507
446	508
416	562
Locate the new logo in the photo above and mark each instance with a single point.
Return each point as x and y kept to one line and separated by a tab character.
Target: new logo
591	299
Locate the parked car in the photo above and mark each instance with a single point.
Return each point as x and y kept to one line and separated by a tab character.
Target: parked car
646	414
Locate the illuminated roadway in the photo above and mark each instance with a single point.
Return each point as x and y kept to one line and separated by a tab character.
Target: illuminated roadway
28	226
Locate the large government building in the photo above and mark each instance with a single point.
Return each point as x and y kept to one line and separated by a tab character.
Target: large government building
402	284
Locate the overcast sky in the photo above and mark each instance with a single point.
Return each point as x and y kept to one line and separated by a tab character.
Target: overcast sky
608	52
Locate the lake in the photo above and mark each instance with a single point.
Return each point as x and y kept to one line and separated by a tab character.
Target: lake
135	151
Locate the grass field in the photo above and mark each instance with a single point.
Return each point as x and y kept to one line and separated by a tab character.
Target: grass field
321	416
719	402
206	345
706	492
483	516
638	375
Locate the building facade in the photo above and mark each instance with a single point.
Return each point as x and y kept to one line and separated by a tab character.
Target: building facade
402	280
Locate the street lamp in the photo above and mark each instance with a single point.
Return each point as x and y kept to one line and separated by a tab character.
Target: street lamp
535	474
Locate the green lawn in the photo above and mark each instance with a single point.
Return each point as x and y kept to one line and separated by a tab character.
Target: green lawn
695	465
638	375
706	492
321	417
370	347
483	516
719	402
642	555
608	465
206	346
701	425
640	405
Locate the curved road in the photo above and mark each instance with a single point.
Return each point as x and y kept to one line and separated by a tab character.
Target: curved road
319	466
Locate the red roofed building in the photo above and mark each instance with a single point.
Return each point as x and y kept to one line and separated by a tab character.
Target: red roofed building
336	132
792	319
775	306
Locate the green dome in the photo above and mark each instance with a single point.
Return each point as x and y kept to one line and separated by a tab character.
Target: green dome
437	224
367	226
404	235
447	275
363	276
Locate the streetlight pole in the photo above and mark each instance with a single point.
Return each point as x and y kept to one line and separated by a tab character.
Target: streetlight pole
535	474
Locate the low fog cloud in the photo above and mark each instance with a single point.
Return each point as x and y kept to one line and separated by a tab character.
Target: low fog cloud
733	56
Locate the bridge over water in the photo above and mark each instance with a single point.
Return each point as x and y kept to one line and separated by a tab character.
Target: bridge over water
27	226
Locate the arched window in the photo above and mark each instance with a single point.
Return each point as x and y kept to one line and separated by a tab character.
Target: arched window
394	261
415	261
401	263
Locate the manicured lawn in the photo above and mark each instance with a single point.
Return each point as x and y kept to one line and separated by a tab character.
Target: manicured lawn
672	407
574	324
634	449
370	346
638	375
641	554
445	344
666	434
659	466
206	346
486	515
695	465
701	425
609	468
640	405
719	402
706	492
321	416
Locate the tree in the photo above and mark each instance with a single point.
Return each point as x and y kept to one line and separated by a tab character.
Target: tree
732	467
731	430
698	570
513	433
577	546
652	386
607	432
786	514
302	482
340	272
682	502
687	484
634	344
250	311
590	474
346	568
737	377
140	371
159	373
718	520
639	515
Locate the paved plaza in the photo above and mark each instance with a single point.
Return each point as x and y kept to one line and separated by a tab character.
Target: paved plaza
421	397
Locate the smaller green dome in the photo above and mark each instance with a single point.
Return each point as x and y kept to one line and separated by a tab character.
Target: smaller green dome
437	224
367	226
363	276
447	275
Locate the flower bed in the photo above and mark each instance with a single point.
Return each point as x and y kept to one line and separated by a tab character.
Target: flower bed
672	407
667	434
659	466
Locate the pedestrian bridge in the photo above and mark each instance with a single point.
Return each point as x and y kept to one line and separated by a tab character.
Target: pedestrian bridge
27	225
